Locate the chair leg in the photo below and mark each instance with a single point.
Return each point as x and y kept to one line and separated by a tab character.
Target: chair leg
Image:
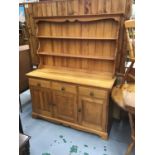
132	126
131	145
20	126
20	105
130	148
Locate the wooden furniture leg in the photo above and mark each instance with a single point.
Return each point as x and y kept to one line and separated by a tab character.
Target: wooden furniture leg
20	126
131	145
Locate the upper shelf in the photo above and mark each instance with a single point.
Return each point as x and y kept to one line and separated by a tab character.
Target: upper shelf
80	18
75	38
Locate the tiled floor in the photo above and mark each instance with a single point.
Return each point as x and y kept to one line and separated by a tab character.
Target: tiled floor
51	139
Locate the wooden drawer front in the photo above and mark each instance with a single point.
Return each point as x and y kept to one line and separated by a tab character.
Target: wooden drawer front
64	87
39	83
93	92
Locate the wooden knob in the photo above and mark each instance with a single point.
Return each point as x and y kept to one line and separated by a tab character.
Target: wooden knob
54	104
63	89
38	84
79	110
91	94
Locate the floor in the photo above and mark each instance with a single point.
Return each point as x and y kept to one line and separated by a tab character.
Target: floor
51	139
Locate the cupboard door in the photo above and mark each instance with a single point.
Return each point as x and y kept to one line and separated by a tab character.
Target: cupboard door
92	113
65	106
41	100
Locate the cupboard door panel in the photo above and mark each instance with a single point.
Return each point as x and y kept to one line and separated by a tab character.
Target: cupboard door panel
92	113
65	106
35	97
41	101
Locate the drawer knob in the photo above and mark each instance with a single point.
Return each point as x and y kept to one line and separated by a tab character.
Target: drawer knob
38	84
91	94
62	89
79	110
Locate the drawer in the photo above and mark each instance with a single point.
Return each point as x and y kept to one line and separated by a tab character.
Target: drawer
64	87
93	92
39	83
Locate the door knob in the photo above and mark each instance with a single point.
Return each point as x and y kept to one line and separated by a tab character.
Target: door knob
38	84
79	110
62	89
91	94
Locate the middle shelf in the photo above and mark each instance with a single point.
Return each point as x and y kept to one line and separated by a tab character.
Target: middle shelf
74	38
77	56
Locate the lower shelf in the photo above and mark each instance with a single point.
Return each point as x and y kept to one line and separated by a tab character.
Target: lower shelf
102	134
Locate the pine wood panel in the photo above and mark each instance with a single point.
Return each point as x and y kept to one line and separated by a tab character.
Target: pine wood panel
65	106
78	64
91	113
83	47
42	100
82	33
75	7
80	29
31	30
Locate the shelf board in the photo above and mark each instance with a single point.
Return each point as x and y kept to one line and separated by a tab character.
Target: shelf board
74	38
77	56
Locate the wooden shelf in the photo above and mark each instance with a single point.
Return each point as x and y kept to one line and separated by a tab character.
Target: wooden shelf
75	38
79	43
77	56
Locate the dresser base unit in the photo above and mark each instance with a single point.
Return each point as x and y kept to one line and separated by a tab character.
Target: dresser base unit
80	102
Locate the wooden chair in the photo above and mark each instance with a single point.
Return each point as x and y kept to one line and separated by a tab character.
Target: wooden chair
24	145
123	94
130	32
127	103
